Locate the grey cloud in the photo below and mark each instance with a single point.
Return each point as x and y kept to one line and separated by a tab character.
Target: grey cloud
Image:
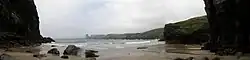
75	18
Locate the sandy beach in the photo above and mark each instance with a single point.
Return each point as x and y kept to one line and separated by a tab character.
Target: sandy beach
154	52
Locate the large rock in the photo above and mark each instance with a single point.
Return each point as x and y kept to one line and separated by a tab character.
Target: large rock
71	50
91	53
65	57
6	57
54	51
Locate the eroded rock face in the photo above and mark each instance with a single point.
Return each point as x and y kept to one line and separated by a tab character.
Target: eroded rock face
228	24
71	50
19	23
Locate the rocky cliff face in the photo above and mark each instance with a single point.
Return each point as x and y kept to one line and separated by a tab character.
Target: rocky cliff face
191	31
228	24
19	23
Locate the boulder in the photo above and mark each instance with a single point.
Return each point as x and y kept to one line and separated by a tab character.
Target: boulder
54	46
216	58
65	57
90	58
205	58
71	50
91	53
54	51
190	58
6	57
179	59
142	47
39	55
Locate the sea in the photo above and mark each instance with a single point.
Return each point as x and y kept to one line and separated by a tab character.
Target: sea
104	44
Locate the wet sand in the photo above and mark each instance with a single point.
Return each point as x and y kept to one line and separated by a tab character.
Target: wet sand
155	52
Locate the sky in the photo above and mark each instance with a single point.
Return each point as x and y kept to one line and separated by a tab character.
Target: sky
75	18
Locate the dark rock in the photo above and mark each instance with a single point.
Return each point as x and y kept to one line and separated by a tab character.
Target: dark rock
205	58
47	40
142	47
179	59
71	50
39	55
65	57
19	24
54	46
6	57
90	53
216	58
54	51
29	51
90	58
190	58
227	24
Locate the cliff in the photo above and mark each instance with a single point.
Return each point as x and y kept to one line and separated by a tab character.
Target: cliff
191	31
228	25
19	24
151	34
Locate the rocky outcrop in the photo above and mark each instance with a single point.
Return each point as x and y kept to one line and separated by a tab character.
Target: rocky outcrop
19	23
228	27
71	50
191	31
54	51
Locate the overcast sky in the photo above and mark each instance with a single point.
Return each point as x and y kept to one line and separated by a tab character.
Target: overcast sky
75	18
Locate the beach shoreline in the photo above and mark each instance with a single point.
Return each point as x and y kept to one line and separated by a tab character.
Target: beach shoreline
153	52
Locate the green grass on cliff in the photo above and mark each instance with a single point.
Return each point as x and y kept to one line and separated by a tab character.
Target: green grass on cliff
191	25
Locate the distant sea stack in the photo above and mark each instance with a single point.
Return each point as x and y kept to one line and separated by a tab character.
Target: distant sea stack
19	23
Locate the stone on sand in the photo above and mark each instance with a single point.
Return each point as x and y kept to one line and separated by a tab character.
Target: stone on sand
216	58
71	50
54	46
39	55
91	53
6	57
178	59
142	47
54	51
65	57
